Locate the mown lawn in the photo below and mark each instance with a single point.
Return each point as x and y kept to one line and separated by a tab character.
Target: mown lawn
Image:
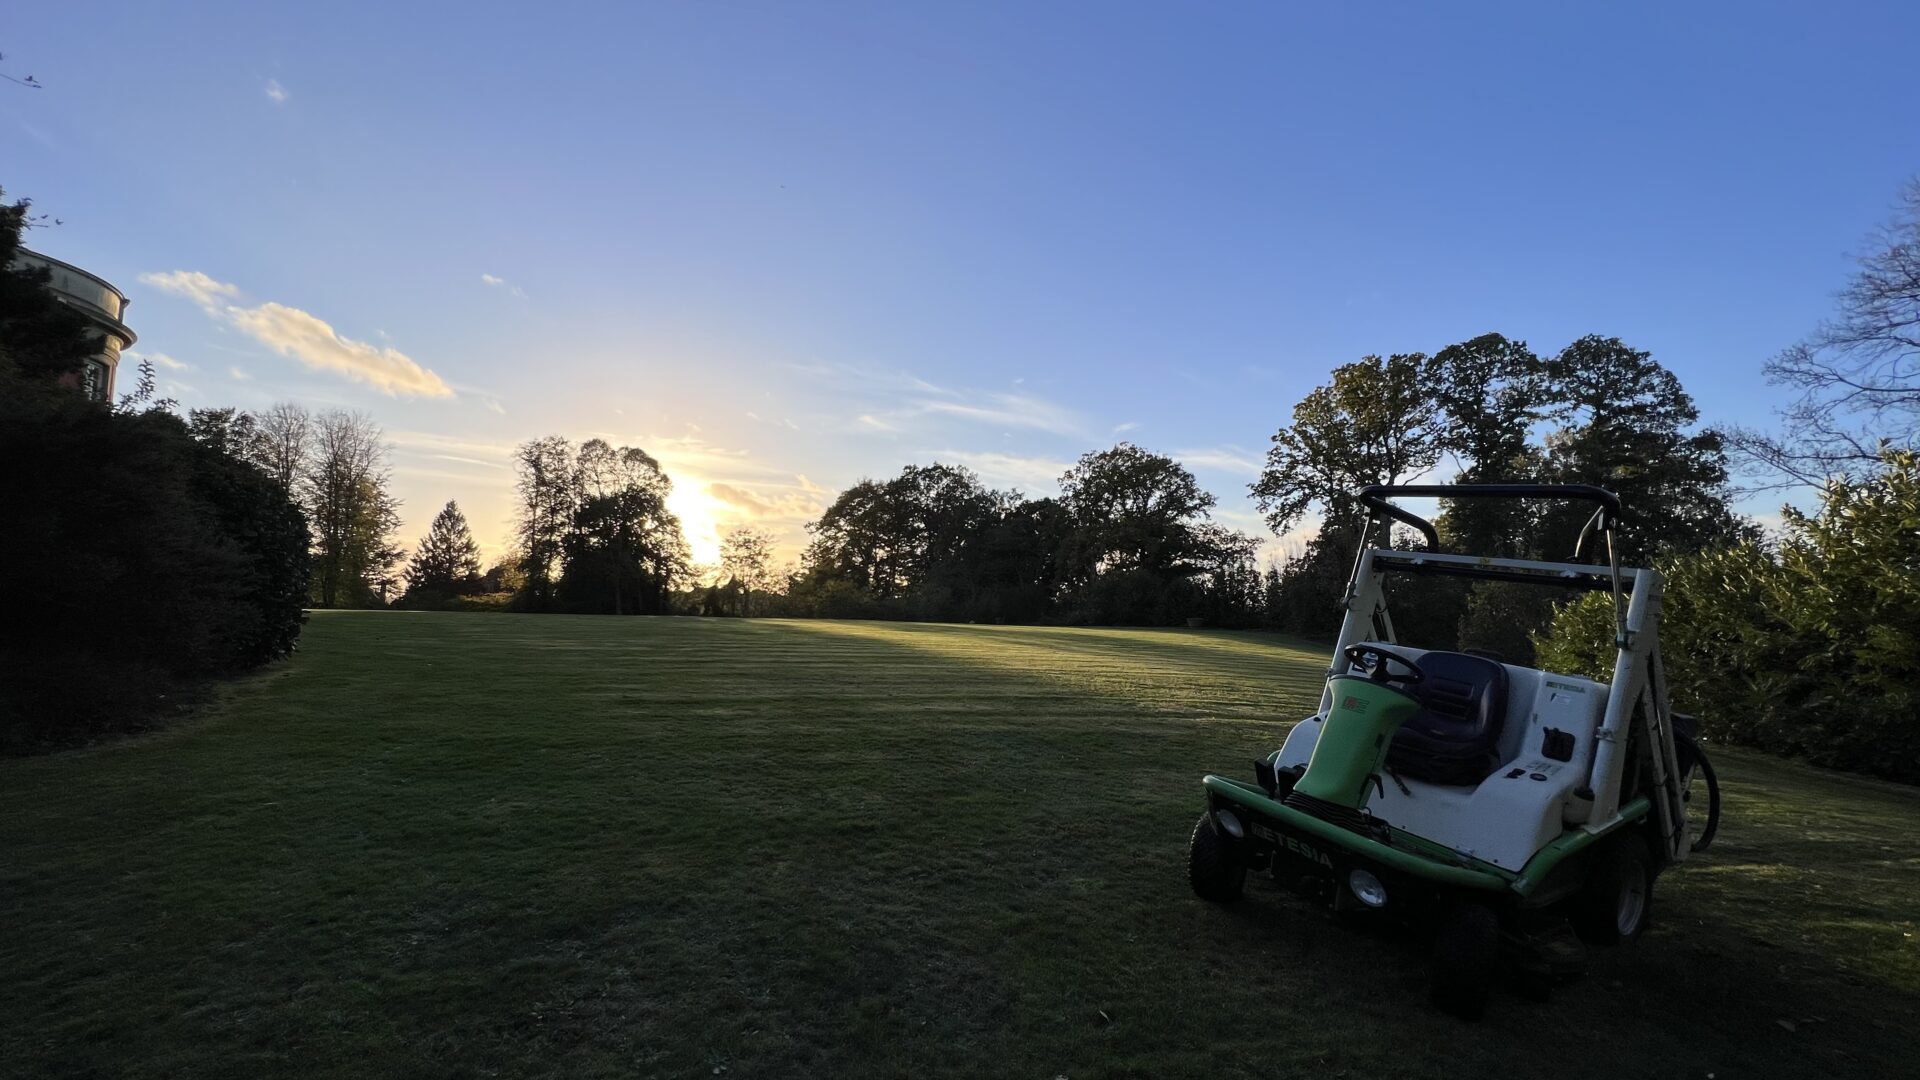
467	845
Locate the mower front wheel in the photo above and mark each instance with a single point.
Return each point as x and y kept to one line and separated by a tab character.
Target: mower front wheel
1613	907
1216	869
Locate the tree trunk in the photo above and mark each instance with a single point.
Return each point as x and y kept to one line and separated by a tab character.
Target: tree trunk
618	564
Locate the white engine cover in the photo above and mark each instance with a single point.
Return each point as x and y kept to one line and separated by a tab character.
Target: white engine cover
1526	803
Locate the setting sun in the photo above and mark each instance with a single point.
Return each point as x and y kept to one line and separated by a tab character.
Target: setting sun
698	511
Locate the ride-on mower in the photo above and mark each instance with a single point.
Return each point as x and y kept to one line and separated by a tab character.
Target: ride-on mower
1498	806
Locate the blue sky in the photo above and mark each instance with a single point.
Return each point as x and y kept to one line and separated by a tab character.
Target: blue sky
784	246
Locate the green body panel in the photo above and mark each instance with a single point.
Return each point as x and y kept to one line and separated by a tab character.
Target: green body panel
1573	841
1254	799
1353	740
1423	858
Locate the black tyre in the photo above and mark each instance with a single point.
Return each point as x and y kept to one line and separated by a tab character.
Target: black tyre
1214	866
1614	906
1706	780
1466	960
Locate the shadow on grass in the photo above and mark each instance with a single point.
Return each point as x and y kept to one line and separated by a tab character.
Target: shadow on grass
1789	948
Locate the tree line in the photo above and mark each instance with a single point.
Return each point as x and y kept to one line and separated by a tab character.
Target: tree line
333	465
1492	410
168	550
1128	540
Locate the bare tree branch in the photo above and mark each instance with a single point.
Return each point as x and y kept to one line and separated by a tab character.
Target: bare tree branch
1858	373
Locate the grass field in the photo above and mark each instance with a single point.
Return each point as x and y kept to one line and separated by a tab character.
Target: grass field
465	845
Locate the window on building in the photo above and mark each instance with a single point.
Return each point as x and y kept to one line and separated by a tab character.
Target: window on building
94	380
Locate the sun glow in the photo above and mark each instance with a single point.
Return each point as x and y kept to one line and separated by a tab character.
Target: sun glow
699	514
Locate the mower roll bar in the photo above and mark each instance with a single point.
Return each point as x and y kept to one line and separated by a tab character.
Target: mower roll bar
1376	497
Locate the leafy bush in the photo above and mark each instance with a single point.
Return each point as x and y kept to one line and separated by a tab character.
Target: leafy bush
1813	650
266	538
149	562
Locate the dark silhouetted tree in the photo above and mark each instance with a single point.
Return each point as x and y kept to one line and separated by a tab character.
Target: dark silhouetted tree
1491	391
1140	539
280	441
1375	423
447	562
746	557
353	516
44	342
1134	509
547	491
905	539
1624	423
624	546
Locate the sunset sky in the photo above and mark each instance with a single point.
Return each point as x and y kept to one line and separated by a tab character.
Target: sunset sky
785	246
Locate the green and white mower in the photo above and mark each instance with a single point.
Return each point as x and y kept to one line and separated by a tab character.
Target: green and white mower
1499	806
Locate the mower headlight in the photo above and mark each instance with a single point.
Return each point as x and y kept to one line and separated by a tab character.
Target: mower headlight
1367	888
1230	824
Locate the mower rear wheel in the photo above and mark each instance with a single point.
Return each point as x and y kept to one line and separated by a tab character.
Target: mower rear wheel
1466	960
1617	900
1704	777
1216	869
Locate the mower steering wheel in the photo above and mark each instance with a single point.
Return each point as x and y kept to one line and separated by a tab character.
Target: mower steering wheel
1358	654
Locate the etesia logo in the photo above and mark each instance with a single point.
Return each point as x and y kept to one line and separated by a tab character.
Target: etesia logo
1306	852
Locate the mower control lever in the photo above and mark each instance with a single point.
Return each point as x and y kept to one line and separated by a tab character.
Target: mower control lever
1358	654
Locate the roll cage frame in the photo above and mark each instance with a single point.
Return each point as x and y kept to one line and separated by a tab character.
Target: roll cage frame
1638	689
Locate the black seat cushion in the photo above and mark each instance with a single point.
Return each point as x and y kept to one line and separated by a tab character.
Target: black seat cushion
1454	738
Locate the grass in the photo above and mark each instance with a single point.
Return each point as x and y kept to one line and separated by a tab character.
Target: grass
467	845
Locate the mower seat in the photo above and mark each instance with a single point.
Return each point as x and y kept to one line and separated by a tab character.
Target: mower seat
1454	738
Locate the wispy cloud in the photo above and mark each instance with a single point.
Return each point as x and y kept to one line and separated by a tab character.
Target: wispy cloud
696	456
497	282
276	92
310	340
1229	459
305	337
458	460
195	286
778	504
159	359
1008	410
493	452
34	133
1032	475
783	422
239	374
897	401
1122	429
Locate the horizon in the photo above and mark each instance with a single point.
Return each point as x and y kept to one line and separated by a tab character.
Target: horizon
782	250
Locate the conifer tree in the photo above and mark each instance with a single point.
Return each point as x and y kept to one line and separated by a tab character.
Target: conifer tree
448	560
